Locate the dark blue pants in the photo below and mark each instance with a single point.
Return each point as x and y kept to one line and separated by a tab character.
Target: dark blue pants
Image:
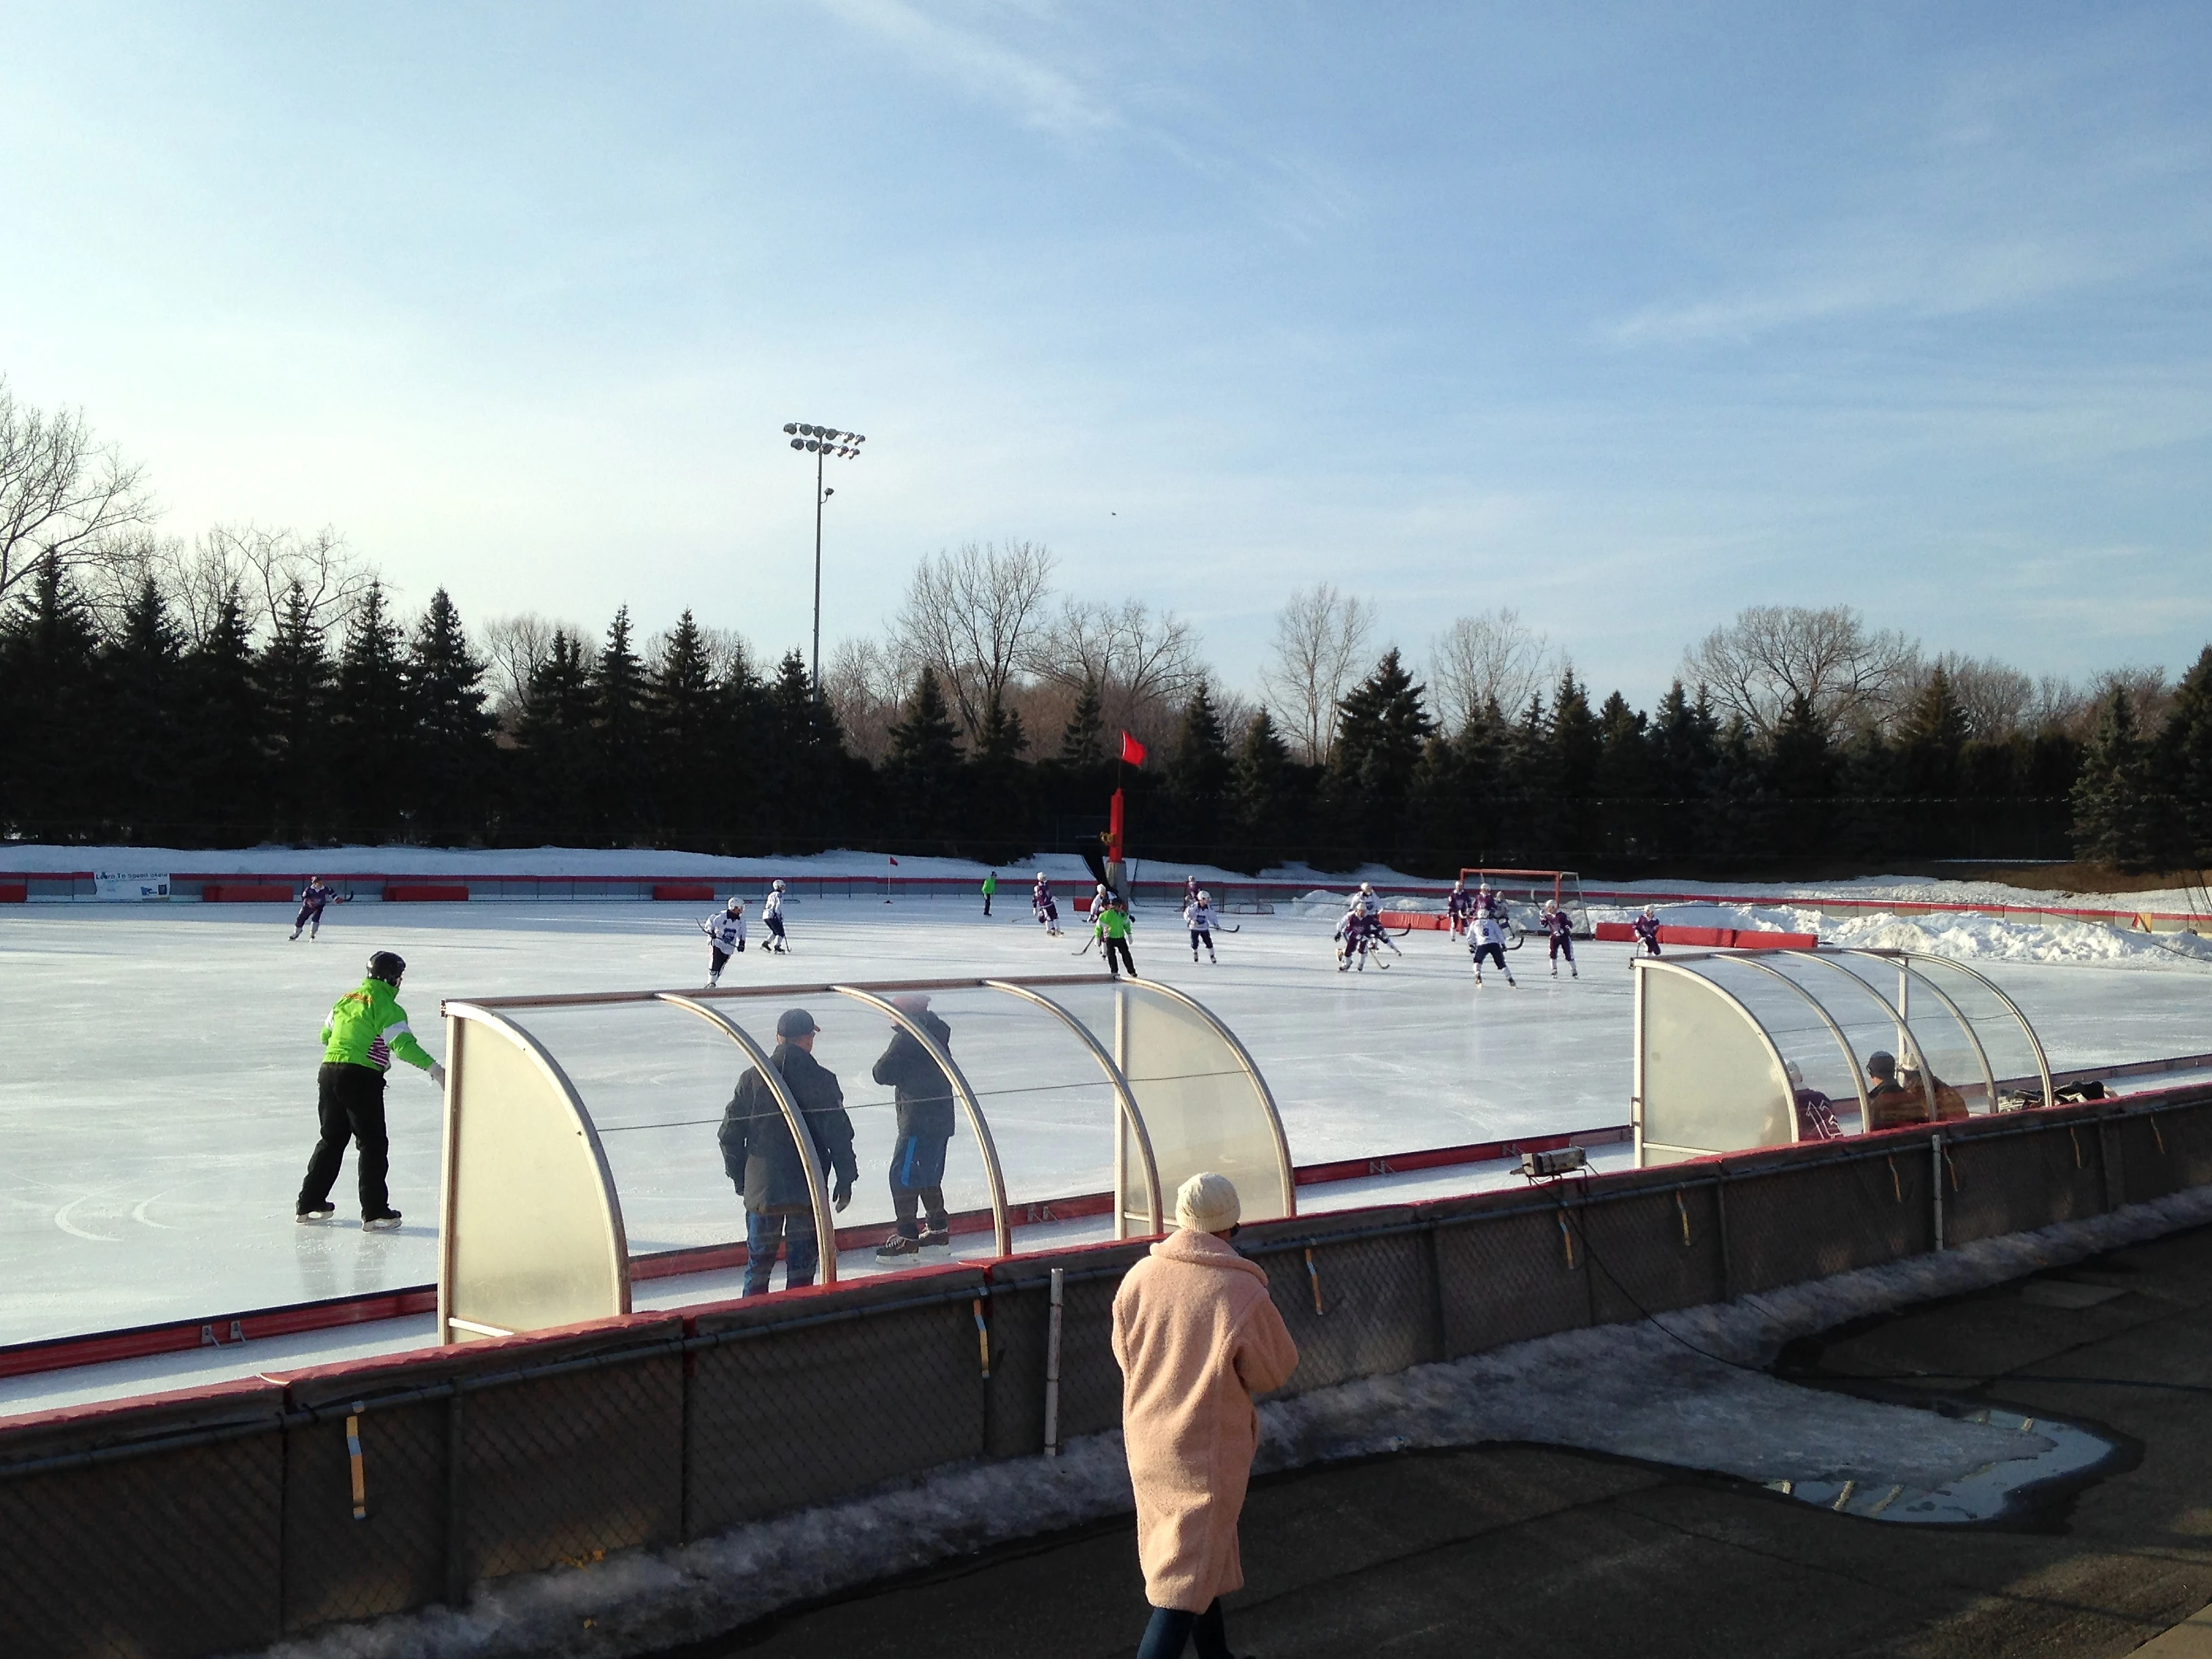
1172	1629
802	1252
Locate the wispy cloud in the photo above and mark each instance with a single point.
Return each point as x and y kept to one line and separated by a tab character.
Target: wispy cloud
1037	93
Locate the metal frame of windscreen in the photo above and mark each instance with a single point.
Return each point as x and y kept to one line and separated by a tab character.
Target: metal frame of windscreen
1897	1013
600	1257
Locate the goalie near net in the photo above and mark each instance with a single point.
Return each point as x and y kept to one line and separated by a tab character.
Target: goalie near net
1526	892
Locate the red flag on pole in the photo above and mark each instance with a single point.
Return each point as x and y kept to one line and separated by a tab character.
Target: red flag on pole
1132	750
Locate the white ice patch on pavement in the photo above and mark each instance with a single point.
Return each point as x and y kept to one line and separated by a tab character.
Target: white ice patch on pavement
1629	1391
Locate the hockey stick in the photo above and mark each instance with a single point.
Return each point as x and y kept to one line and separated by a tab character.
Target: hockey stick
1087	944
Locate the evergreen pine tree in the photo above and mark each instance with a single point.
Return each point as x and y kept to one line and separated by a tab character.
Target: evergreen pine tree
805	753
1801	766
2116	817
143	668
1622	782
1198	770
371	727
1081	742
295	677
686	721
229	777
925	756
554	800
1684	739
1521	799
452	727
1577	744
1382	724
622	759
55	707
2184	759
1261	798
1738	820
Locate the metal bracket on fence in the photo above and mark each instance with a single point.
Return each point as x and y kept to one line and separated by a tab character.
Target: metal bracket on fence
353	1457
1313	1278
1052	1365
1896	1181
983	1337
1935	1183
1683	1211
2075	1135
2155	1135
1567	1234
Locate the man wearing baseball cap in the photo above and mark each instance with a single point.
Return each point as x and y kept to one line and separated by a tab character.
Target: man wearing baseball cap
762	1160
1196	1337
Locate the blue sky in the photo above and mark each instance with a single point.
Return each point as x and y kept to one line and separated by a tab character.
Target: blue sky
1625	317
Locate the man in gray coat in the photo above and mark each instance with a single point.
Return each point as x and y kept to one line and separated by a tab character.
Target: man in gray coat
762	1160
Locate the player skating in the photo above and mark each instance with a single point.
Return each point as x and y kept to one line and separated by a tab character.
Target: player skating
364	1030
1359	936
726	936
772	918
312	897
1198	916
1109	925
1459	909
1559	931
1488	940
1047	908
1647	932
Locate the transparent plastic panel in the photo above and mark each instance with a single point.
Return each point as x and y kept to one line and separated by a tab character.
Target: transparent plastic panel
536	1240
1855	1005
2004	1038
1711	1084
656	1080
1200	1105
1822	1071
1936	1056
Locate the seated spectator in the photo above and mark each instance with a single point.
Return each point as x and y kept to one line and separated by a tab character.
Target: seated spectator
1816	1113
1950	1104
1889	1102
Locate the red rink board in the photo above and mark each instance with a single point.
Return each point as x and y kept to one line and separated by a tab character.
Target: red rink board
245	892
683	889
424	893
1728	939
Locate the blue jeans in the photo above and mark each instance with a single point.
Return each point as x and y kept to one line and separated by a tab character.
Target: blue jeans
801	1250
1172	1629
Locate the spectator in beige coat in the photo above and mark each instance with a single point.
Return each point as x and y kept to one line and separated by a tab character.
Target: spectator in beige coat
1196	1338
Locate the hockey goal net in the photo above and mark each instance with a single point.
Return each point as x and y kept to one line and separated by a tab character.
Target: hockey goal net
1526	892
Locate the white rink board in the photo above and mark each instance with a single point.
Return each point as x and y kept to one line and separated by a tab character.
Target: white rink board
157	1069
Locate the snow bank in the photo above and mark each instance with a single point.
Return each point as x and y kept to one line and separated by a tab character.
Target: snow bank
1683	1390
1963	936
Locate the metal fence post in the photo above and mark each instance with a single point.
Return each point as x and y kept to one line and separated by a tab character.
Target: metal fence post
1936	1172
1721	1226
1052	1365
456	1567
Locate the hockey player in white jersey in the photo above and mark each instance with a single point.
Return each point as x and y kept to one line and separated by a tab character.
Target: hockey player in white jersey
1198	916
726	936
772	918
1487	939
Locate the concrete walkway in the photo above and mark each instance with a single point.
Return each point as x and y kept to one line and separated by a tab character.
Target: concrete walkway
1526	1550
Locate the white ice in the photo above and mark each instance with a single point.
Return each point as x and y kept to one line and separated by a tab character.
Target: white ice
157	1074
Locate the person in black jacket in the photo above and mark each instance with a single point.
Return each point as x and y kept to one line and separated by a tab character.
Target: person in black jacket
924	1097
763	1160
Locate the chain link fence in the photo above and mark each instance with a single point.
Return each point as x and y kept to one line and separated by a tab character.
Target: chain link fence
176	1528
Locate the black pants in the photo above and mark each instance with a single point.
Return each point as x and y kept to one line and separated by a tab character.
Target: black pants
1172	1631
1121	947
350	1101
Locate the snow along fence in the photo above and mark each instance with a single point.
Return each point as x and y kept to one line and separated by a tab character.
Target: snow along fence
227	1518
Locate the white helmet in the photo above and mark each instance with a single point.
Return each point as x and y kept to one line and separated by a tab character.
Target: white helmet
1550	905
1205	897
1102	887
777	885
1484	886
735	903
1650	911
1366	886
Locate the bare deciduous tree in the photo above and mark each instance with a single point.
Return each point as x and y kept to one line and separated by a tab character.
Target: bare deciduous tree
1319	636
1494	658
62	493
972	616
1771	654
1143	663
1995	697
330	575
515	647
864	686
730	654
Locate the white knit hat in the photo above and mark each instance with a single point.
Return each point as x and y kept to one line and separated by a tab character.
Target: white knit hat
1208	1203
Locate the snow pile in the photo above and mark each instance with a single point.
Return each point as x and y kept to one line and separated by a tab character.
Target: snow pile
1636	1390
1319	903
1961	935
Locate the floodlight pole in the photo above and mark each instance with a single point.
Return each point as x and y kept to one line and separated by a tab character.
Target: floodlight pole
823	442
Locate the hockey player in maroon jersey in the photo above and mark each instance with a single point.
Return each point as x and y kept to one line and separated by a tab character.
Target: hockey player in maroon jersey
1559	931
1459	908
1647	931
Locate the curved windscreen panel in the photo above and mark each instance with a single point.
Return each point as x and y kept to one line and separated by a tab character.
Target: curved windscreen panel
1203	1105
532	1231
1935	1053
2015	1054
1708	1079
1818	1059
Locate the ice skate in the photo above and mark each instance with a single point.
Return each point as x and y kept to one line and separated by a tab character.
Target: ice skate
937	1240
1555	970
388	1222
1574	973
316	1215
295	932
898	1248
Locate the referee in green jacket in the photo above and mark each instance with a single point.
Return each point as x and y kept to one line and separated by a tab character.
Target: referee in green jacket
364	1030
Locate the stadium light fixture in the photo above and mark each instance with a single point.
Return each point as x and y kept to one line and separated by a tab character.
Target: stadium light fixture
823	442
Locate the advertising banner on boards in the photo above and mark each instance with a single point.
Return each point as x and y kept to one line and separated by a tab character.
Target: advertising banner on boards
118	887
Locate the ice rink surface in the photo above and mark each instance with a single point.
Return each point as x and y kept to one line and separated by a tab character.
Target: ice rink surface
157	1069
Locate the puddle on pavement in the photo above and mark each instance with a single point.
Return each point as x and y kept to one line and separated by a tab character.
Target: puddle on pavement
1990	1493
